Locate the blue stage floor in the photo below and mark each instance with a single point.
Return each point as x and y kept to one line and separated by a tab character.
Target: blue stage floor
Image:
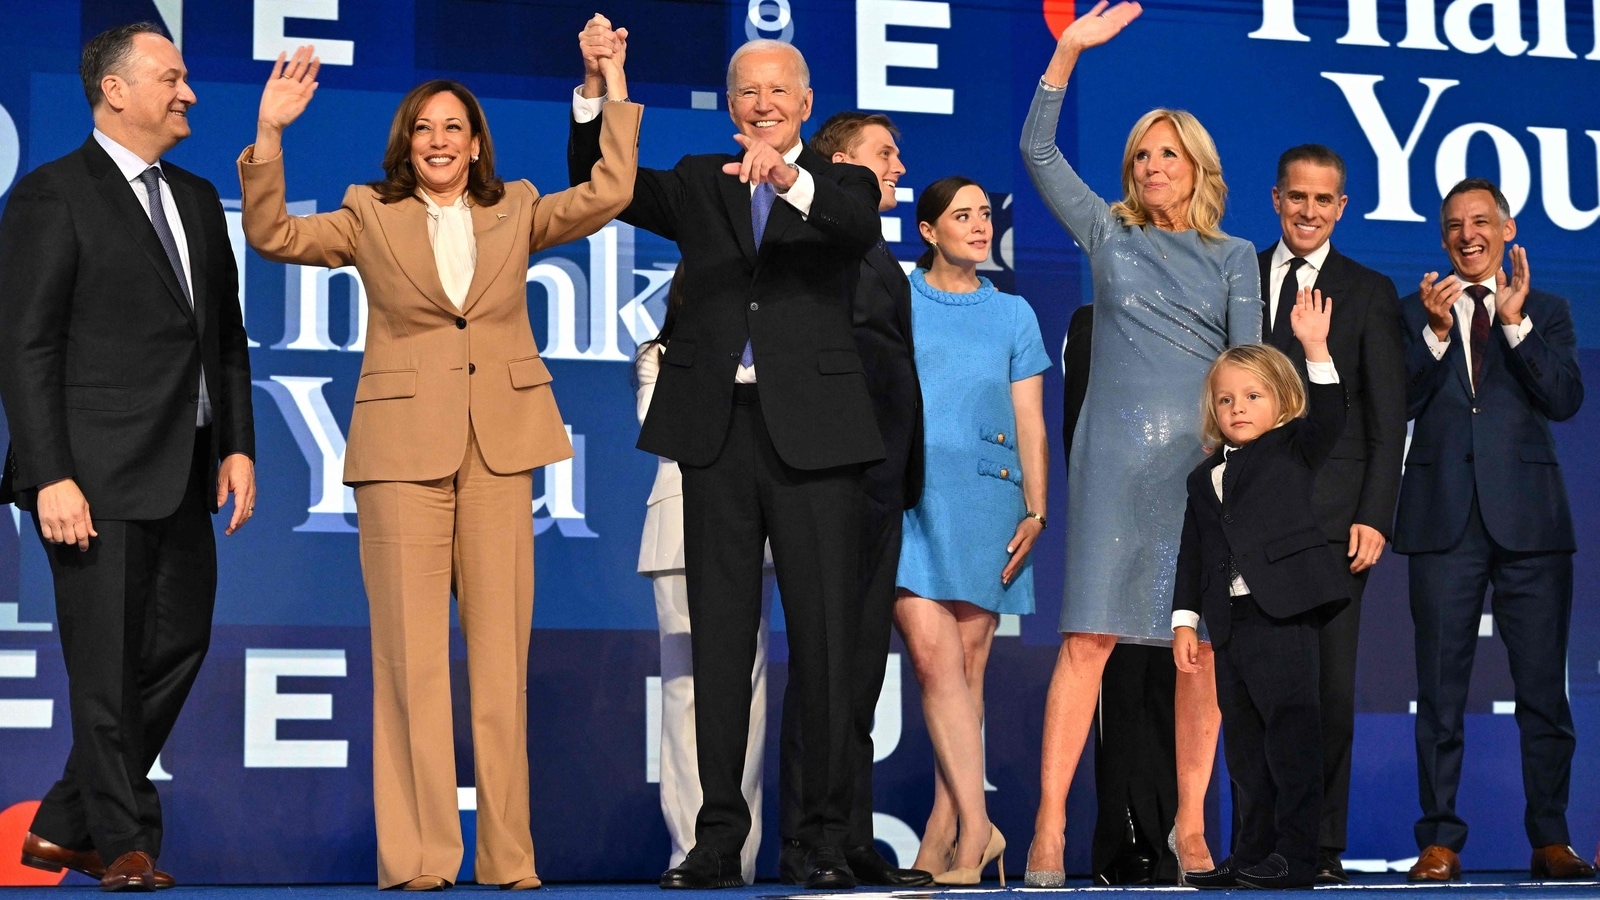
1480	886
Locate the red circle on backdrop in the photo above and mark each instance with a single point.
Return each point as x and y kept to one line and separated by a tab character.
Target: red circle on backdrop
14	824
1058	14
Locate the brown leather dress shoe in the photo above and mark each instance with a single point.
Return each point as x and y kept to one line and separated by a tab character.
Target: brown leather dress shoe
39	853
1436	864
132	871
1559	862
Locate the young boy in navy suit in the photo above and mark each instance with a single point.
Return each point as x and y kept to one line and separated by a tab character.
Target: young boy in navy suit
1254	562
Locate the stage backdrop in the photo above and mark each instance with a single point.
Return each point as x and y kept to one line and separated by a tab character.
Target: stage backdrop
268	776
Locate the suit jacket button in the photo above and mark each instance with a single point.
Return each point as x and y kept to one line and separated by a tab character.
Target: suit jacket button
733	355
1228	518
1469	457
460	322
472	368
754	307
1476	410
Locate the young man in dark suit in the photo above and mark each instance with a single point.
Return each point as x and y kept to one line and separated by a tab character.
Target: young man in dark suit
126	379
763	402
1490	363
882	319
1356	488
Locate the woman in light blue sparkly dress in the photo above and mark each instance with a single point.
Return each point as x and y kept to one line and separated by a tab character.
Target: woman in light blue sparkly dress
1171	292
964	558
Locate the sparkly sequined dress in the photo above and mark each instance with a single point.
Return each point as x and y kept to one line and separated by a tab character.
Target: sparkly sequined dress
1166	305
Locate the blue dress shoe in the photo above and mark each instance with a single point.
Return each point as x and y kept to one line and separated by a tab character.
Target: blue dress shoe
703	869
1276	874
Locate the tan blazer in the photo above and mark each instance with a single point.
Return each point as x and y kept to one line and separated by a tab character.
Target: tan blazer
429	368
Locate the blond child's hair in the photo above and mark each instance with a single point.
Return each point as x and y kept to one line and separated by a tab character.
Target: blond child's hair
1277	374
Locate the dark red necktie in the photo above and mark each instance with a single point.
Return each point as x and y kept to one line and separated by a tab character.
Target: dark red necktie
1480	330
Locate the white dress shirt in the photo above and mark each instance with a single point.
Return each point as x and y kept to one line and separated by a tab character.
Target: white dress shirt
132	166
1307	276
455	248
1463	310
1317	373
799	195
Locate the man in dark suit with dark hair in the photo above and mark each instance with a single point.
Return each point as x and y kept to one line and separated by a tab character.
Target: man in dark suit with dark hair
882	319
1490	363
1355	489
763	402
126	379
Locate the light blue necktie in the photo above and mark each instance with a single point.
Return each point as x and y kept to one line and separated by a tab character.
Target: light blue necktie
760	207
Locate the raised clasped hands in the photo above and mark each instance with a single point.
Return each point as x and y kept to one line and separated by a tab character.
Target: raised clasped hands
1439	296
1310	320
605	52
761	163
1510	295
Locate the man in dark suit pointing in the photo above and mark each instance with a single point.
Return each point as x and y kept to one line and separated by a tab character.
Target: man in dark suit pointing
1490	363
763	402
1355	490
126	380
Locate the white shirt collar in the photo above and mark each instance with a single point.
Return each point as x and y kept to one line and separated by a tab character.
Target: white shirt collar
794	152
1316	258
128	162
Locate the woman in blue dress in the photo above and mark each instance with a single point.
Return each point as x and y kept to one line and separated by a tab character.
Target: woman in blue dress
1171	292
964	557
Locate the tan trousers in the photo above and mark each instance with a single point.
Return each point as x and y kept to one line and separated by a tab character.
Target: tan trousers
472	532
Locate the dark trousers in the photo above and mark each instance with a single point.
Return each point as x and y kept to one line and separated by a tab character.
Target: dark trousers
135	617
1338	667
813	518
1136	758
1267	688
1532	612
883	518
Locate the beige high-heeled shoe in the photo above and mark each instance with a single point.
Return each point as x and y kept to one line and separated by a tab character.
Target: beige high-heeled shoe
425	883
969	875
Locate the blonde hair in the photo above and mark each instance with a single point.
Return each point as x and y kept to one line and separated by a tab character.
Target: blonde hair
1210	196
1277	374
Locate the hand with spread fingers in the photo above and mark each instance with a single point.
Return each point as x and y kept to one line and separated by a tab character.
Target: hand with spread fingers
1095	27
287	93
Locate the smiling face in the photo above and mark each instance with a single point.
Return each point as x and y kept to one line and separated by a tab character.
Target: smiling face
442	147
148	98
1245	407
1475	235
768	102
962	232
1163	174
1308	203
876	149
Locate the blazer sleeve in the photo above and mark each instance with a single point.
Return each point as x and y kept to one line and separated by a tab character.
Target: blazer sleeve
1383	372
657	195
846	210
1424	374
233	418
1186	581
324	239
1545	363
1323	424
646	368
587	206
38	267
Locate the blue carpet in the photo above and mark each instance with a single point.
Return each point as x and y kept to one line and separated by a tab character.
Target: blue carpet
1481	886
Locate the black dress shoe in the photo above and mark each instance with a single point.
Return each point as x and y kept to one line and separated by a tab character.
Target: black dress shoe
703	869
1223	876
826	870
791	862
1329	869
871	868
1276	874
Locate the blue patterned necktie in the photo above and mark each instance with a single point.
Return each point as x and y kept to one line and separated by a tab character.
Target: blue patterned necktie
761	201
158	217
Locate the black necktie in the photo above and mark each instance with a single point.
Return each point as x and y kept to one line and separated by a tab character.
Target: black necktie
1282	334
158	217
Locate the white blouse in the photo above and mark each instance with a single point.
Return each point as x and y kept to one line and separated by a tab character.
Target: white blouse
455	249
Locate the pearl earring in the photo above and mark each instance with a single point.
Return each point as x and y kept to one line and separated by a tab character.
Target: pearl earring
474	157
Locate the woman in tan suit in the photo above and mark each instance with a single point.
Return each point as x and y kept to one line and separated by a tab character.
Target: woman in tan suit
453	413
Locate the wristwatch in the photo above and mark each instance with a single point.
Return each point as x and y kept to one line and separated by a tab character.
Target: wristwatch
796	175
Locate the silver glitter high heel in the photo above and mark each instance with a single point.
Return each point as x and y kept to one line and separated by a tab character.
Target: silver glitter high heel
1172	844
1042	878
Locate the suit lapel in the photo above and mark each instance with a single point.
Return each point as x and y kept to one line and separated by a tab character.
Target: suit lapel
783	215
1210	490
736	197
895	286
193	235
494	231
405	231
126	209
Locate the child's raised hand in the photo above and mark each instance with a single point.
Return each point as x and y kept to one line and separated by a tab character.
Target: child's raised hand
1186	649
1310	320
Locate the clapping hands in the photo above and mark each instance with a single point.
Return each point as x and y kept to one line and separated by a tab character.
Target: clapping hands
1310	320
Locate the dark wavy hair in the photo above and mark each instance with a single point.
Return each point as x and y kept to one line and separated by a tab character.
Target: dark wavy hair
108	53
935	199
400	179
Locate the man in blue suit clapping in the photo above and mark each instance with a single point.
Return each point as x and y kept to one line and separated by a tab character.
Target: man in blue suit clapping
1489	364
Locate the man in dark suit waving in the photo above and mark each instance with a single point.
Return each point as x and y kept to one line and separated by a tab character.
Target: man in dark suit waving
126	379
1355	490
1490	363
763	402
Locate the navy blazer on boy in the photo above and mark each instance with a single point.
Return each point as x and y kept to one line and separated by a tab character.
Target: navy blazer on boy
1263	518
